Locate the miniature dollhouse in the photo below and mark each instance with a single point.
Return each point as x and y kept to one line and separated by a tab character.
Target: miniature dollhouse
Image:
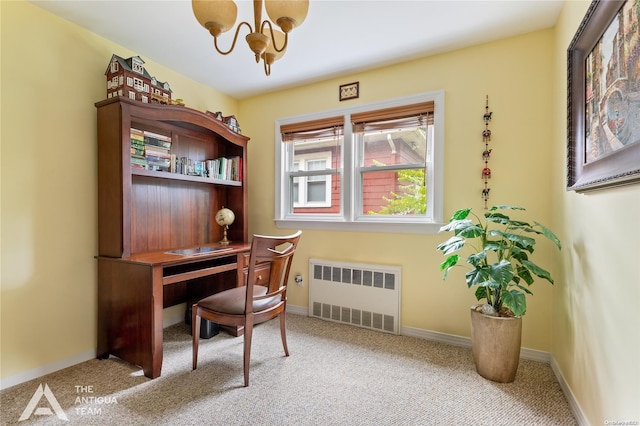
232	123
128	77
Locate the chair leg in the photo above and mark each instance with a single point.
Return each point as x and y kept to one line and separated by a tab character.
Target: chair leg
283	333
248	332
195	332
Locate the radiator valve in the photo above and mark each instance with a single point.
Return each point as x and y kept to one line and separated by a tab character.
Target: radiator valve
298	279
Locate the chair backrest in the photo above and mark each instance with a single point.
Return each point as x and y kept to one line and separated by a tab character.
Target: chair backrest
278	251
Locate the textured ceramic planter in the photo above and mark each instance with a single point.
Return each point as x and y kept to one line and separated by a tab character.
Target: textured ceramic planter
495	344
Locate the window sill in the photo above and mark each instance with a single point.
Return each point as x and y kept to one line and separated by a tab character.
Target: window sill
398	228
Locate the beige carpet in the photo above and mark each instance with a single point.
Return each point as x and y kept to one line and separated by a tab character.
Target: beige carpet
336	375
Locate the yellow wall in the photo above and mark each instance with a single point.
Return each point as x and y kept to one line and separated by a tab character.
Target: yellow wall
516	74
52	74
596	339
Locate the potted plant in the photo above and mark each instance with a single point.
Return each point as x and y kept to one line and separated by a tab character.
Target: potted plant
501	270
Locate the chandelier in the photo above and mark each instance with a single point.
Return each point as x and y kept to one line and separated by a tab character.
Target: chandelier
219	16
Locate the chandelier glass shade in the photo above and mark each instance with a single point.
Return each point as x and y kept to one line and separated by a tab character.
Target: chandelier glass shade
268	44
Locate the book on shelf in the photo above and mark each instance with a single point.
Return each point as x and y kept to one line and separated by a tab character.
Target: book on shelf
155	152
224	168
138	161
151	159
137	142
158	136
158	164
137	134
156	139
157	143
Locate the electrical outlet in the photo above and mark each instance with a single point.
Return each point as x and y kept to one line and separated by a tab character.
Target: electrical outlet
298	279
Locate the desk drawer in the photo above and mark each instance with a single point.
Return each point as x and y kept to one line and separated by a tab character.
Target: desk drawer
262	273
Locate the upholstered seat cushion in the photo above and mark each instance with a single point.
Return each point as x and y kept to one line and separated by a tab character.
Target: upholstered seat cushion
232	301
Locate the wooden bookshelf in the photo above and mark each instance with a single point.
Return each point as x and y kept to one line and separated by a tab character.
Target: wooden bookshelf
145	215
146	210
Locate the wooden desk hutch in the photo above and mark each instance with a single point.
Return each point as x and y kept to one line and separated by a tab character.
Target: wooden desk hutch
143	214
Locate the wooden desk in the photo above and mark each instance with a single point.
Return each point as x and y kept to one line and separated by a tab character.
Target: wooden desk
132	292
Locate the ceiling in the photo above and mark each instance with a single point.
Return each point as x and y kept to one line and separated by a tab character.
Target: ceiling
338	38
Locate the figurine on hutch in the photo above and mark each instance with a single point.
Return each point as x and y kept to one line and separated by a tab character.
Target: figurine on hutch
129	78
232	123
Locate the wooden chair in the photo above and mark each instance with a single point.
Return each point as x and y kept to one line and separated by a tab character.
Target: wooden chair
258	301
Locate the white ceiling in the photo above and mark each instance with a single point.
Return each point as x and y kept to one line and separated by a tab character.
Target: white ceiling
337	38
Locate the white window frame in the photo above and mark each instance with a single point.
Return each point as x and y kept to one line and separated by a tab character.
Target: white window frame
349	218
137	66
138	84
303	180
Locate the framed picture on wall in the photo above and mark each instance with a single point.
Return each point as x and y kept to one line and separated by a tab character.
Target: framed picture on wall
603	98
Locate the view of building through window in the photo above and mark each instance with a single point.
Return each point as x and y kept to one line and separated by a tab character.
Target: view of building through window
391	179
317	191
393	171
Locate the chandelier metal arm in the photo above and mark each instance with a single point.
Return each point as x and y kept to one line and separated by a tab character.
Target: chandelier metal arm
218	17
273	38
267	68
235	38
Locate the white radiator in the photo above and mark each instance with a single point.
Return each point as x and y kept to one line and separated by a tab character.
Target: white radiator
354	293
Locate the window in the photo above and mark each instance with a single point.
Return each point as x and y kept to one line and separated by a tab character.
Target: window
311	191
138	84
114	66
374	167
137	65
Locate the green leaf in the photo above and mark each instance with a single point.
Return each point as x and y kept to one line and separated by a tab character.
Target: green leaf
514	300
478	275
449	262
526	290
518	254
460	214
518	224
537	270
481	293
477	259
452	244
464	227
498	245
502	272
524	274
503	207
472	231
497	218
550	235
520	240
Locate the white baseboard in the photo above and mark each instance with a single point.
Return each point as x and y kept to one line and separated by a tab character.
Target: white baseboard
451	339
46	369
298	310
571	399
